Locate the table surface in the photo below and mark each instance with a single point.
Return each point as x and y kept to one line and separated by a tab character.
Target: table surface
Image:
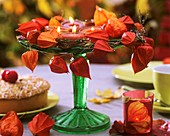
61	84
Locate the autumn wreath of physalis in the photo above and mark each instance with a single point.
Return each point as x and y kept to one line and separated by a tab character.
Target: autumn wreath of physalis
115	32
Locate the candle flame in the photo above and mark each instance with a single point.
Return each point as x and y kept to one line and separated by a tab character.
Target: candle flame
92	29
58	29
74	29
71	20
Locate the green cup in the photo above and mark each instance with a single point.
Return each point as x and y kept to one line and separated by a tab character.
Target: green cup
161	82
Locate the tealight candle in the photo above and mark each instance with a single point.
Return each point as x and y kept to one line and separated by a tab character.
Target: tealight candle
137	109
90	29
72	35
68	24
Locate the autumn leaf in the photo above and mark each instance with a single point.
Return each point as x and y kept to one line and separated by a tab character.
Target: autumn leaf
41	125
139	26
137	65
41	21
80	67
10	125
150	41
128	38
103	46
145	53
54	22
30	59
28	26
32	36
97	35
101	16
127	20
46	40
115	28
58	65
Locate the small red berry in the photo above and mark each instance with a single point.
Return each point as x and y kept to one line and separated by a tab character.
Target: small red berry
11	76
3	73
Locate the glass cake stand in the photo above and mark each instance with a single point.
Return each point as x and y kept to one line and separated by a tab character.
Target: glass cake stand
80	119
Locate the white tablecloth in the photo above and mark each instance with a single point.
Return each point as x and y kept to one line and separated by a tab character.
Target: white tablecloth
61	84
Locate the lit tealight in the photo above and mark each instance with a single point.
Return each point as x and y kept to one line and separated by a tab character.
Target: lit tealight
71	20
58	29
92	28
74	29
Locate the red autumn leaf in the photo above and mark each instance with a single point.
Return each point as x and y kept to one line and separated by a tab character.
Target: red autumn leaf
41	21
80	67
127	20
28	26
101	16
30	59
58	65
41	125
46	40
128	38
98	34
150	41
145	54
141	127
115	28
136	63
32	36
139	26
10	125
102	45
117	127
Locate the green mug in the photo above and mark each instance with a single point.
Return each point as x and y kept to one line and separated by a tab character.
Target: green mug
161	82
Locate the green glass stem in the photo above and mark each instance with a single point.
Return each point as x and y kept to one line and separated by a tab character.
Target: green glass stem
80	87
80	119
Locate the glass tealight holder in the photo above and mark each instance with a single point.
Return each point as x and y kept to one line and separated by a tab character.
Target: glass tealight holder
137	110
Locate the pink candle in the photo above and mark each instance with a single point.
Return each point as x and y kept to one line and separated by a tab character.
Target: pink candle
90	29
68	24
72	36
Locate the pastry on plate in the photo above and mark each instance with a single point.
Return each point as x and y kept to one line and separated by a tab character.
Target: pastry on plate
25	94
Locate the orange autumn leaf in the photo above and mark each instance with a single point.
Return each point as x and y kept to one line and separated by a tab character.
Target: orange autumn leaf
46	40
30	59
54	22
101	16
32	36
115	28
54	33
41	125
10	125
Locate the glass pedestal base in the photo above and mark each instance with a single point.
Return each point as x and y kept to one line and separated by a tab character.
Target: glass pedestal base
81	121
